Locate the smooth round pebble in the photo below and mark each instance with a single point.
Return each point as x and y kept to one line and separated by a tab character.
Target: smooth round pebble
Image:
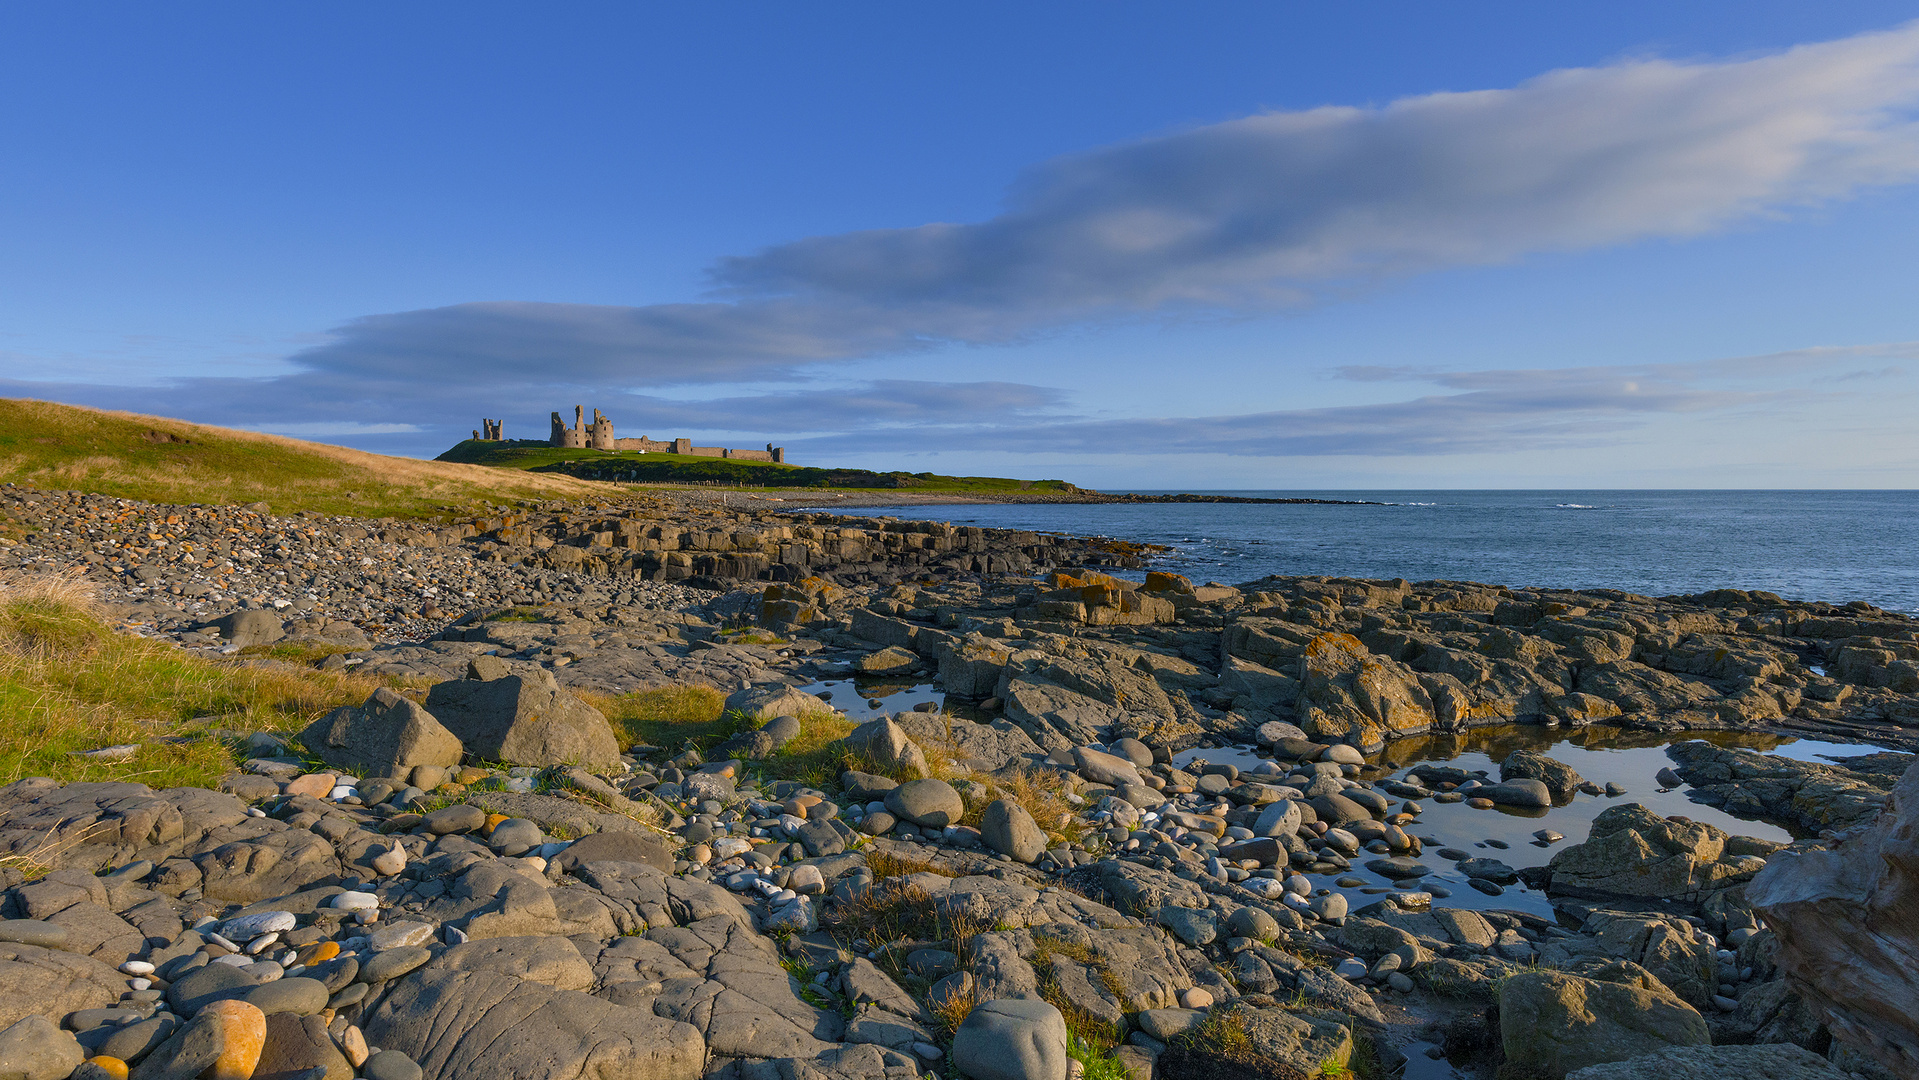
391	1065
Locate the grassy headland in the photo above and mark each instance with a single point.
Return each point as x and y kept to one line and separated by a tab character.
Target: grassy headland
628	467
156	459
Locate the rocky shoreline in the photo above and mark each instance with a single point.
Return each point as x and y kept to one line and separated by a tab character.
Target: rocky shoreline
479	880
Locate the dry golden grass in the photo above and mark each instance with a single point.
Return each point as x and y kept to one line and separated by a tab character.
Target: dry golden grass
668	716
951	1010
69	683
886	864
158	459
1041	793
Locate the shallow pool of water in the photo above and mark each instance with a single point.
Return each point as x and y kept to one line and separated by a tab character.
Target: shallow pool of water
869	697
1601	755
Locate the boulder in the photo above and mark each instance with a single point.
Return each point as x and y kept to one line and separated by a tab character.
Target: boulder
1103	768
1847	924
1350	695
629	847
296	1044
193	1047
1306	1043
387	735
1007	828
1531	794
524	720
891	660
929	802
1779	1061
244	628
1633	852
1560	779
1014	1039
36	981
35	1049
1554	1022
762	703
973	668
886	743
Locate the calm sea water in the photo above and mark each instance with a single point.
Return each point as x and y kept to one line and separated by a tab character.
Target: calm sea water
1803	545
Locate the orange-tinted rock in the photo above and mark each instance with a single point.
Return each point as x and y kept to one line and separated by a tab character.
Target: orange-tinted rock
316	785
246	1035
112	1066
319	953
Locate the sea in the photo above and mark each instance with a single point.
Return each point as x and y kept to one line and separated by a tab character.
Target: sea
1836	546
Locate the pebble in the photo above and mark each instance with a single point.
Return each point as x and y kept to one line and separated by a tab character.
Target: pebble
390	862
354	901
391	1065
353	1045
400	935
393	963
243	1029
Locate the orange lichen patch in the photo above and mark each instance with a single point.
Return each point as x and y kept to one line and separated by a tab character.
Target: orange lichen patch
1328	643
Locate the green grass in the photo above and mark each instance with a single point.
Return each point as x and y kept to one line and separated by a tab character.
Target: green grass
1099	1064
69	682
155	459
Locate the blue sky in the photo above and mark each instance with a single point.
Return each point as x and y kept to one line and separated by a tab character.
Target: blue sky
1131	245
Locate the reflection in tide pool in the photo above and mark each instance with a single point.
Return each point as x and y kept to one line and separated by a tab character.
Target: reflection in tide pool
1602	755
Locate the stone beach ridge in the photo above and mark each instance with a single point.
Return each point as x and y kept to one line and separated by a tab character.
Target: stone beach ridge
481	879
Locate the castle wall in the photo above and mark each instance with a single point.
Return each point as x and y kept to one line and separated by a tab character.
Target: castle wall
643	445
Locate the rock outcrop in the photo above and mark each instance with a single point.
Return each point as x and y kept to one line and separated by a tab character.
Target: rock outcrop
1847	923
1633	852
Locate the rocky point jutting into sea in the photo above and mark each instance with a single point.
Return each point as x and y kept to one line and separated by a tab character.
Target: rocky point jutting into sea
980	810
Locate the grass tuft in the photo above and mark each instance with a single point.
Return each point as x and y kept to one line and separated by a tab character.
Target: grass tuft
1097	1063
886	864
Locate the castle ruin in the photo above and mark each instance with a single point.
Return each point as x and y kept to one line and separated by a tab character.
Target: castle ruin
598	435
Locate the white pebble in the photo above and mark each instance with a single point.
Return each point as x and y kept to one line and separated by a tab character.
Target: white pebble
137	967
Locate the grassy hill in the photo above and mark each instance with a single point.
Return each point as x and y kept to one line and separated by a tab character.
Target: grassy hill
630	467
172	461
